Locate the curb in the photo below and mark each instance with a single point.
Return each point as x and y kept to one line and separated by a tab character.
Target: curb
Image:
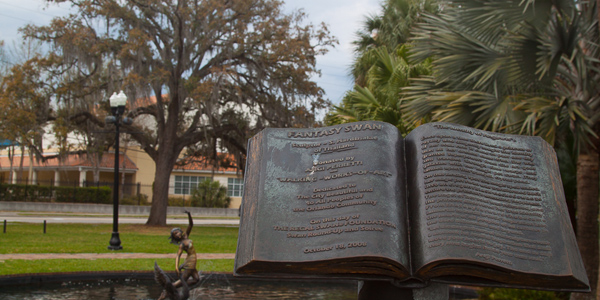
45	278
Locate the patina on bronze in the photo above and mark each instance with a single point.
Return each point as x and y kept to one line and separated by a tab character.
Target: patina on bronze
339	202
171	291
188	269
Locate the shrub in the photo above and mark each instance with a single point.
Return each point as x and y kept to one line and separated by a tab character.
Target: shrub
141	199
210	194
39	193
99	195
178	201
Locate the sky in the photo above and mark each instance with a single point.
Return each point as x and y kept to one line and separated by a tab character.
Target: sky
343	18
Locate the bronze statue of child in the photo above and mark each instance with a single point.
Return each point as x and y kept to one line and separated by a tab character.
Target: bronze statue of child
188	268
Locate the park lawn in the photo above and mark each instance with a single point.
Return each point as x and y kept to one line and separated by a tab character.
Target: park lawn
94	238
20	266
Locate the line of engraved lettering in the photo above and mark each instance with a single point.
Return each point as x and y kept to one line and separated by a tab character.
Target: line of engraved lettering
433	169
340	199
428	165
317	250
316	202
344	192
484	184
512	223
314	134
547	253
381	173
327	189
355	139
330	161
426	138
494	258
345	165
483	222
510	186
433	154
372	222
480	203
506	239
362	127
480	247
343	147
365	228
301	228
296	180
489	152
319	208
483	202
506	196
491	210
326	232
344	175
306	146
341	205
494	245
354	203
295	235
535	258
466	169
331	225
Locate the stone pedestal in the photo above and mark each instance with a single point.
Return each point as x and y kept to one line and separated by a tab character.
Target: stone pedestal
383	290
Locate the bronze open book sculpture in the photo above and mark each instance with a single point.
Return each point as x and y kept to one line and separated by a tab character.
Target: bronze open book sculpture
448	203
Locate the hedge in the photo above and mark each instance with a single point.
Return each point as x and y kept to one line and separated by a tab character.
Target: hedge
41	193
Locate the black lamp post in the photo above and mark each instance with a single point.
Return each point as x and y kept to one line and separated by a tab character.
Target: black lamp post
117	106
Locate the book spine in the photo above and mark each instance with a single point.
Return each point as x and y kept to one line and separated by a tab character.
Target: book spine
249	206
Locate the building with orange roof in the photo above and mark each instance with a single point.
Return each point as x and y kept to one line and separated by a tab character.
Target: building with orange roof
74	170
190	171
136	169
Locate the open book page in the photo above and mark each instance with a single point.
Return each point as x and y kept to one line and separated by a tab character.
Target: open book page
487	199
328	194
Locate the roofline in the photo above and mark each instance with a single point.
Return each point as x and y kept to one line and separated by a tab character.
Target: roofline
206	172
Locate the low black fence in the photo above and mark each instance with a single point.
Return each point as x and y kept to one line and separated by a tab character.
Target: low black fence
72	192
44	193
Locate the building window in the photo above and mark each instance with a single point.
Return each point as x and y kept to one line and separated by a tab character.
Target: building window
235	187
184	185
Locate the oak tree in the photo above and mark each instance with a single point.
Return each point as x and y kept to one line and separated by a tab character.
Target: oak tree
196	72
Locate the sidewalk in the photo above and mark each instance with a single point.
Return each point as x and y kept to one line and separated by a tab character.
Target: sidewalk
37	217
116	255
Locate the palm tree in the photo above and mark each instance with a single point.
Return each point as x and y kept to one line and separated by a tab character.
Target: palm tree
381	68
521	67
380	99
390	29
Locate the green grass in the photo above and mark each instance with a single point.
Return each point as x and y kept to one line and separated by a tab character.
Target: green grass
93	238
13	267
23	238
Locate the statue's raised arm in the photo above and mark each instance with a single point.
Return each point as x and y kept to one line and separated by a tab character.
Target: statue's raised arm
190	223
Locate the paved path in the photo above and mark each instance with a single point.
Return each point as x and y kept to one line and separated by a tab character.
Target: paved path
92	256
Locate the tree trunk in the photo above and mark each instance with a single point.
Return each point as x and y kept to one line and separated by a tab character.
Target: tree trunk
20	176
11	155
30	173
587	219
160	193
